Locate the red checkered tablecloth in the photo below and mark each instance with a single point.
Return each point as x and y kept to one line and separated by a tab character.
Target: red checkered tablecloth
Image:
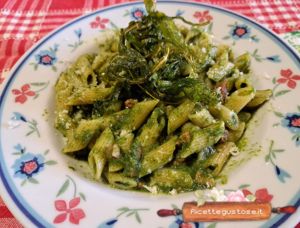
23	23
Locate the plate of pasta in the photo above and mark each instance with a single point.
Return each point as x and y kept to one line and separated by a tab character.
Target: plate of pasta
141	107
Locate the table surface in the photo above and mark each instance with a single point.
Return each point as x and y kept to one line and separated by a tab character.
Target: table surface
23	23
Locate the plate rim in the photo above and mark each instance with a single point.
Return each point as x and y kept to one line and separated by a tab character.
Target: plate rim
8	195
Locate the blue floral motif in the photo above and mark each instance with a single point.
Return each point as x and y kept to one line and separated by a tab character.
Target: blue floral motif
108	224
292	122
274	58
179	13
19	148
78	33
76	44
19	117
46	58
179	223
240	32
271	157
137	13
259	58
134	212
281	174
28	165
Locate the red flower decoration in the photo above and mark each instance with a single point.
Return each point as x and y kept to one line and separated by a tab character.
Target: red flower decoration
75	214
30	166
246	192
296	122
138	13
1	80
261	195
21	95
99	23
240	31
186	225
288	77
203	16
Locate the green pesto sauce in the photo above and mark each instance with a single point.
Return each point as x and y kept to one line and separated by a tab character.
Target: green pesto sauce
158	63
248	147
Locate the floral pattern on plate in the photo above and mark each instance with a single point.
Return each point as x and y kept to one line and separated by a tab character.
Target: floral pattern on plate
203	16
47	58
78	42
239	32
291	121
282	175
17	119
68	210
73	201
136	13
259	58
125	211
26	91
29	165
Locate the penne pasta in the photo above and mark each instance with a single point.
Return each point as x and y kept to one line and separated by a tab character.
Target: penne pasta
239	99
101	152
159	108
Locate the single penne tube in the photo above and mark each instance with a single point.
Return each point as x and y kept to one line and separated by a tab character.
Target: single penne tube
202	118
106	108
80	137
204	179
132	160
225	114
260	97
112	119
239	99
234	136
100	152
97	162
115	165
151	131
121	181
216	162
228	82
89	95
125	140
138	114
242	81
223	48
243	62
244	116
172	178
158	157
221	69
179	115
83	67
189	127
201	139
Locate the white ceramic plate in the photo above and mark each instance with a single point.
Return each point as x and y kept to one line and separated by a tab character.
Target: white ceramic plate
41	189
